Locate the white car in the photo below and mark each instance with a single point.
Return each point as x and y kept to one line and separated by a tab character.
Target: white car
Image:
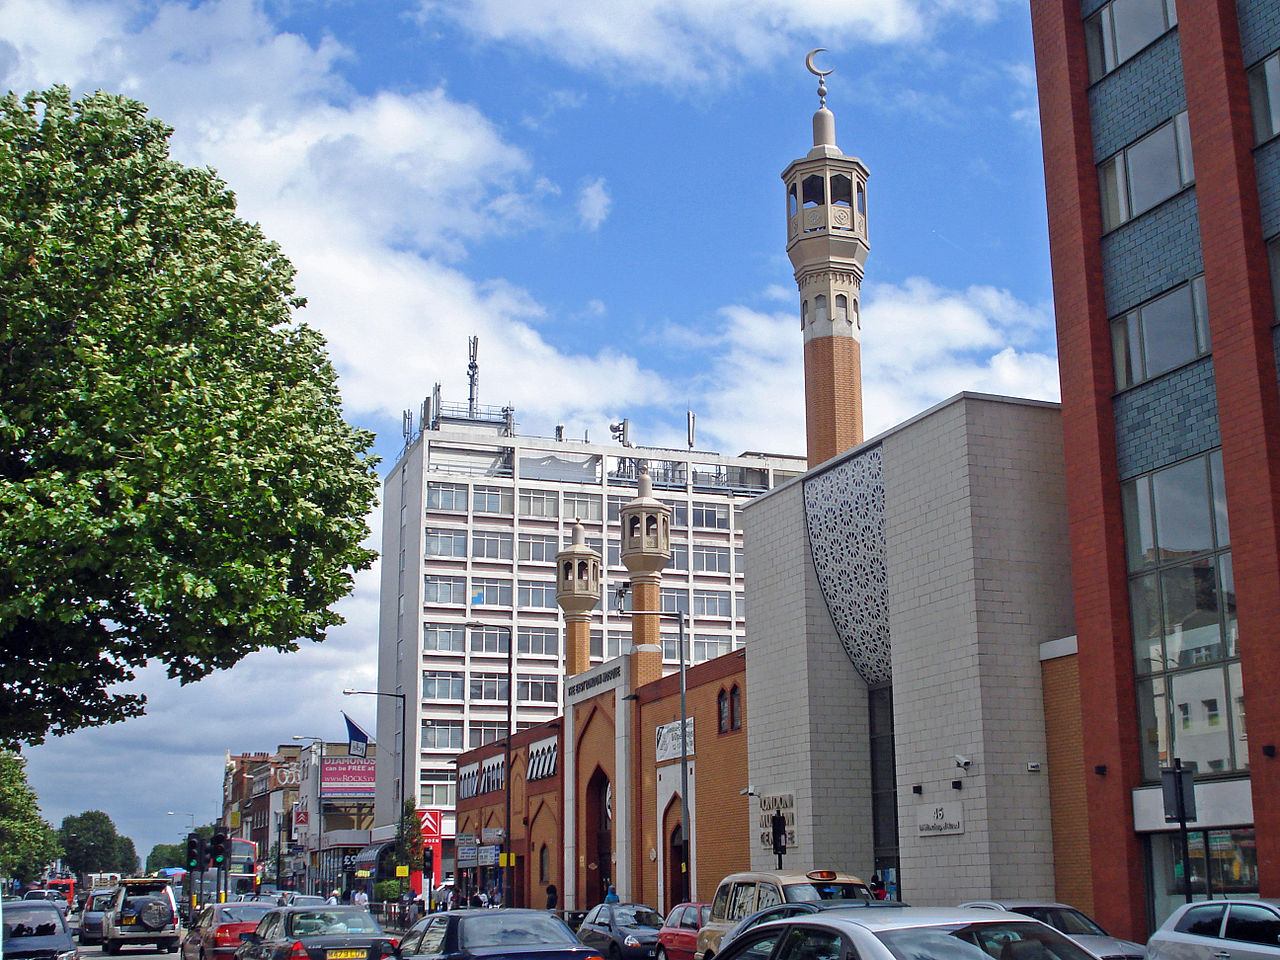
1073	923
1219	930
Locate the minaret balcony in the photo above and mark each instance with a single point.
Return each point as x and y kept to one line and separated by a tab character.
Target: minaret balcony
835	218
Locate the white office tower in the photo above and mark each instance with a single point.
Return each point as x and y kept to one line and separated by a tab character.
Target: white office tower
473	516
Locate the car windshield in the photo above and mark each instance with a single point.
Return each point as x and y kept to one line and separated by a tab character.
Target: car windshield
826	890
998	940
242	912
331	922
635	916
98	901
498	928
20	923
1066	919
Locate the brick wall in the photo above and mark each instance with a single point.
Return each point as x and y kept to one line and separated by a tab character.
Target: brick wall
1137	96
833	396
1072	858
1259	28
1167	419
1151	253
1266	159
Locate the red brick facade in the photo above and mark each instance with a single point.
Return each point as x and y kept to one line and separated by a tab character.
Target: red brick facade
833	396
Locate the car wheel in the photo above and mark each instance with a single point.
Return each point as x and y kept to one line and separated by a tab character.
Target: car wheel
614	952
110	947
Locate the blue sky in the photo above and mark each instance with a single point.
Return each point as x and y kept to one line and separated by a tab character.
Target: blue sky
591	187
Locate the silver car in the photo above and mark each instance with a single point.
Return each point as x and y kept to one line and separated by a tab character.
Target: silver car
1219	930
1073	923
909	933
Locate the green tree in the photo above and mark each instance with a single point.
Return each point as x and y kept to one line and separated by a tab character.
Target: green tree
93	845
167	855
177	482
409	844
27	843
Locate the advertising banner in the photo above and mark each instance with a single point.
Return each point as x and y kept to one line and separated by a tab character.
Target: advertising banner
347	777
668	740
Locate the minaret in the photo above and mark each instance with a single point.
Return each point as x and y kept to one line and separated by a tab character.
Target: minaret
645	550
827	244
577	592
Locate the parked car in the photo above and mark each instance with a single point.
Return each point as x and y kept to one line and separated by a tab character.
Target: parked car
906	933
621	930
36	928
781	911
1073	923
56	897
325	932
141	910
678	938
511	934
1219	930
741	894
91	916
215	931
291	899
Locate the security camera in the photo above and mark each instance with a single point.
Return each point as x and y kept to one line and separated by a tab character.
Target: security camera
962	761
750	791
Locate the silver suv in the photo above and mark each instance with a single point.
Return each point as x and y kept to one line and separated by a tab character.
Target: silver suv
142	910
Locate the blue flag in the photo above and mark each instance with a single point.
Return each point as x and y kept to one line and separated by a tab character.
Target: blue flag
357	739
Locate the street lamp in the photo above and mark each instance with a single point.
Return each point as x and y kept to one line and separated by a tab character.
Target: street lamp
507	858
404	743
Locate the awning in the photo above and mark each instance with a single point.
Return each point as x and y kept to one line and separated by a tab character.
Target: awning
367	859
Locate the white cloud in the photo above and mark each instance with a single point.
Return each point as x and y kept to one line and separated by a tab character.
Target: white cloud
681	41
594	203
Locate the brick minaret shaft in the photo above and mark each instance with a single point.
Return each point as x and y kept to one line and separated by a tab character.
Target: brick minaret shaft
577	592
827	243
646	549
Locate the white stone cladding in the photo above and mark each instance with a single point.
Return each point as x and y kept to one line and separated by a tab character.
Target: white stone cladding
978	576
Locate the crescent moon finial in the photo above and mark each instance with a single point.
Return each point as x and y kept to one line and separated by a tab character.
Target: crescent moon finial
820	74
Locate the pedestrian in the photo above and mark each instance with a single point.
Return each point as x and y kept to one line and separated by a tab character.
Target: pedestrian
476	902
361	899
334	897
553	898
611	896
878	889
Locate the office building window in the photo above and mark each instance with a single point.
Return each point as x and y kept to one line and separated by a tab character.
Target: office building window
444	589
679	557
1264	95
536	593
605	651
1183	612
488	592
582	506
447	497
707	647
437	789
679	512
538	548
441	734
488	640
711	603
490	545
443	637
488	686
445	543
536	688
710	559
1122	28
496	500
615	554
486	731
441	685
712	515
540	641
1161	334
539	503
672	600
1146	173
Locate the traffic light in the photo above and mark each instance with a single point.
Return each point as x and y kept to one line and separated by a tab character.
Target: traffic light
779	823
197	855
218	850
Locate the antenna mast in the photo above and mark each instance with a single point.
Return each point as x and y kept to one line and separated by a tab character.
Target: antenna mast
473	376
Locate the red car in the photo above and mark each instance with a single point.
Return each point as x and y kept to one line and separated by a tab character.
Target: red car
215	932
679	934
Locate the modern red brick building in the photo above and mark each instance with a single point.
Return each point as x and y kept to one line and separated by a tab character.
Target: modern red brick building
1162	171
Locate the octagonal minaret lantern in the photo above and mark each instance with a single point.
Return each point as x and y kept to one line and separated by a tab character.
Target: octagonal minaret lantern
577	592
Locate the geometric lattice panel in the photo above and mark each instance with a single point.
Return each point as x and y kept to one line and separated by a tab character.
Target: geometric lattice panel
844	511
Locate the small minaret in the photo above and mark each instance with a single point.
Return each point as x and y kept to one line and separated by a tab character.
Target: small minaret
646	549
577	592
827	244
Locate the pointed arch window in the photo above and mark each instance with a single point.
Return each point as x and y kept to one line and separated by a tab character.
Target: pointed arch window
722	711
842	307
735	707
820	308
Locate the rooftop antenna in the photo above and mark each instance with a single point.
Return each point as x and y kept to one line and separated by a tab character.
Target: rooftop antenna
693	420
473	376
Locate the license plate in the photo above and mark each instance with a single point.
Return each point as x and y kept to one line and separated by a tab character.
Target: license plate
128	920
345	954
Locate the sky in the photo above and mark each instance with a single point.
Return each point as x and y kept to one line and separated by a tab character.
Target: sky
592	188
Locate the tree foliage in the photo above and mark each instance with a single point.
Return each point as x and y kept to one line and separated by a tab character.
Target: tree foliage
93	845
27	843
409	843
167	855
177	483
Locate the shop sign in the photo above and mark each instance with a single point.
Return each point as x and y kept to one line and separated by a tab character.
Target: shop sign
347	777
431	823
668	740
784	803
492	835
468	854
488	856
464	838
939	819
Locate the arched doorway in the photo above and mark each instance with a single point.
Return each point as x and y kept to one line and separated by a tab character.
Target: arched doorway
598	837
676	880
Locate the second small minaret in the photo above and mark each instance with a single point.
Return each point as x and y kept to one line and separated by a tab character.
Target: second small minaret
646	549
827	243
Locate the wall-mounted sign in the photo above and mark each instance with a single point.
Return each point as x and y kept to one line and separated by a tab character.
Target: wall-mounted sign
668	745
783	803
468	854
489	856
492	835
347	777
939	819
431	822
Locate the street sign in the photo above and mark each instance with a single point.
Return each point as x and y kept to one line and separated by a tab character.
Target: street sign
468	854
488	856
402	871
492	835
